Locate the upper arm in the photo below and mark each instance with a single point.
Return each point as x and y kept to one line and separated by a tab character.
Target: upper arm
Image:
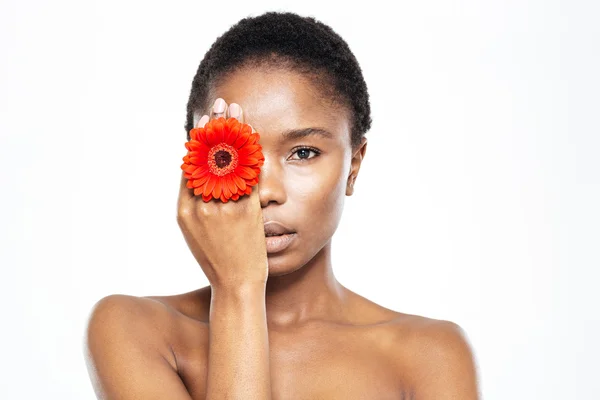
447	369
124	357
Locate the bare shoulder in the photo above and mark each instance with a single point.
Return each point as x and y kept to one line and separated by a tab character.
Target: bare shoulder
127	349
430	358
125	316
438	355
194	305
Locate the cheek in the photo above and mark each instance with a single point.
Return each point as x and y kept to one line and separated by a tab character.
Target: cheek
317	194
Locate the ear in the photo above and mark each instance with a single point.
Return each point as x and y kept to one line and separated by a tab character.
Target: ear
357	157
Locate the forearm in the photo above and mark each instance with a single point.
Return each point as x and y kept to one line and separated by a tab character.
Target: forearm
238	356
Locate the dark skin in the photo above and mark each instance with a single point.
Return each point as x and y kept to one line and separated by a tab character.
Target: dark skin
278	325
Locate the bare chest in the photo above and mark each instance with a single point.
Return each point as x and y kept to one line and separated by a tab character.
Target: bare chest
342	371
313	363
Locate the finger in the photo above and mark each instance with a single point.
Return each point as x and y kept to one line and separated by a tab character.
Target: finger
219	109
185	193
202	121
235	111
254	199
248	201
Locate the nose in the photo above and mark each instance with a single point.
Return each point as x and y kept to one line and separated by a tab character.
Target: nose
271	188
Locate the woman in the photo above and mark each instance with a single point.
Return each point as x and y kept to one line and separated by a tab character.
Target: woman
274	321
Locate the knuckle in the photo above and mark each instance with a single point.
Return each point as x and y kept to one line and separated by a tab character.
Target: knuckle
205	211
184	213
229	211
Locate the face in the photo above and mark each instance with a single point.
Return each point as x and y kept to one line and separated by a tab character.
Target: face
305	178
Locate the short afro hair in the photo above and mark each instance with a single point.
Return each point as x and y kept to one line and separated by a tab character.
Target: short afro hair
286	40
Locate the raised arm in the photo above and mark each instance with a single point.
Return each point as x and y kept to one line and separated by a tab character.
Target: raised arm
238	356
228	241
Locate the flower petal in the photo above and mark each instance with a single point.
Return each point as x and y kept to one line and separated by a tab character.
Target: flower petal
249	161
211	136
219	128
202	140
200	171
198	153
195	145
200	181
253	138
240	183
246	129
232	134
245	172
210	184
199	160
241	140
217	189
226	190
194	133
248	150
231	185
189	168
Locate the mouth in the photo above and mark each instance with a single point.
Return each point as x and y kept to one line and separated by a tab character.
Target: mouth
277	243
275	228
278	236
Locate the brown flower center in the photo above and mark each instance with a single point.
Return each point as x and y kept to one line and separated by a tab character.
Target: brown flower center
222	159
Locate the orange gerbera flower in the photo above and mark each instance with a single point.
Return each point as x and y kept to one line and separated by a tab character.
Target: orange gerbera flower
223	160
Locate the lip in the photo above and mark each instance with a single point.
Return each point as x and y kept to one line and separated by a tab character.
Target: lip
276	228
279	243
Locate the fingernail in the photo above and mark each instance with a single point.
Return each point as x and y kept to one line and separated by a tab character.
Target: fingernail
196	118
219	107
203	121
234	110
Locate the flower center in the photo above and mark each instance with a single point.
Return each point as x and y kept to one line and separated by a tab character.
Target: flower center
222	159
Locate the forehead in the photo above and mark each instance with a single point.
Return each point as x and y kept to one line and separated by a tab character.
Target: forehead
277	100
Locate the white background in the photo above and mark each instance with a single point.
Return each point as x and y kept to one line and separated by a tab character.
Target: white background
477	201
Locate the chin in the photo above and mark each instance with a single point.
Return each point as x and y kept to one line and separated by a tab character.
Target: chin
279	267
287	262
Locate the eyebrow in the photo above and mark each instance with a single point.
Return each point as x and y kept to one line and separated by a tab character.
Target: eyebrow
294	134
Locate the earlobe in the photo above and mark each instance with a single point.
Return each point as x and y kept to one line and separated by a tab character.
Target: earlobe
350	186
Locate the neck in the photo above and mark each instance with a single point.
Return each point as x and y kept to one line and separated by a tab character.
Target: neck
311	292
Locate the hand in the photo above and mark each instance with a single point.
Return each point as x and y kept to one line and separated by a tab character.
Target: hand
227	239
